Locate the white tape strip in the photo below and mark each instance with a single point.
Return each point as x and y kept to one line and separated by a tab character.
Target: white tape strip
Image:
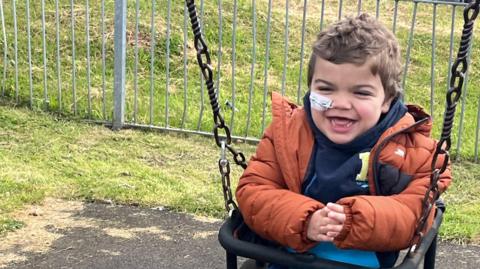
320	102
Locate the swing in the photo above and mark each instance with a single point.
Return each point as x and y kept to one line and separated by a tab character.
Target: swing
424	250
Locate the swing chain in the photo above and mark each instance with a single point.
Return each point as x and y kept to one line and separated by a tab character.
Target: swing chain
458	71
224	167
224	142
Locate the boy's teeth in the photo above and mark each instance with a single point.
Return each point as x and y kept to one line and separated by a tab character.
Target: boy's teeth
342	122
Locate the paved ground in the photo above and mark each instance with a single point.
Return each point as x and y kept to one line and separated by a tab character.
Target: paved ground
117	237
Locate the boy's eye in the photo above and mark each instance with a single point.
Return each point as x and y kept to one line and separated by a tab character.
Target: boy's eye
324	89
363	93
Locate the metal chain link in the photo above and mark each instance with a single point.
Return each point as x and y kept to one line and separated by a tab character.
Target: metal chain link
224	142
224	167
459	69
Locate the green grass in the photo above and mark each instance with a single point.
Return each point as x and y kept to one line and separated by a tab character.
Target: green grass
8	225
462	220
417	86
43	155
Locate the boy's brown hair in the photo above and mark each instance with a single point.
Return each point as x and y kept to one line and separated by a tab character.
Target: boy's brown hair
356	40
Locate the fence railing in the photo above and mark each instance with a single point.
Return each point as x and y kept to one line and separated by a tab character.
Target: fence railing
132	63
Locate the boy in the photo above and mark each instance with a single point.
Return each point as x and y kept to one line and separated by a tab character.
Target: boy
344	176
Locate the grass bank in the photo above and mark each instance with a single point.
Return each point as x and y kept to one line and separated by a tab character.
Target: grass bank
166	91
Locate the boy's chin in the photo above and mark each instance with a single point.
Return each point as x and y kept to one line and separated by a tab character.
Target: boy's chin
341	139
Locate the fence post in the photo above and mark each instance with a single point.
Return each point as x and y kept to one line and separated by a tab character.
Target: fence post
119	61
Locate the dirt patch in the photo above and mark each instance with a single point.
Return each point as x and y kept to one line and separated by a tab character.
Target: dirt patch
47	222
133	232
72	234
35	236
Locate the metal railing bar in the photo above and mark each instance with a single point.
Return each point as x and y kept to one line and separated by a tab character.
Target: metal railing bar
135	64
410	44
15	45
432	65
340	9
322	14
4	48
44	45
167	64
104	107
152	60
450	53
29	49
464	98
185	70
119	65
252	67
302	50
219	51
477	132
74	75
234	63
202	86
87	37
437	2
395	16
251	140
57	44
359	7
267	56
285	49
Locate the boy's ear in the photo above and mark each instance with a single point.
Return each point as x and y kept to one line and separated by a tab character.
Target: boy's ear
386	105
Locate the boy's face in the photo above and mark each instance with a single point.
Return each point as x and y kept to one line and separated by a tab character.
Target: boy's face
358	99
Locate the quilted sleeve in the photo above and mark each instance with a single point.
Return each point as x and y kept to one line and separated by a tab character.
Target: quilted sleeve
268	207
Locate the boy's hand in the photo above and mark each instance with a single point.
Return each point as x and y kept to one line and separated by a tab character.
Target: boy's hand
336	213
326	223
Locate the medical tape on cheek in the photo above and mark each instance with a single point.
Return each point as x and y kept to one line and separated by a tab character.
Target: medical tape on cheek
320	102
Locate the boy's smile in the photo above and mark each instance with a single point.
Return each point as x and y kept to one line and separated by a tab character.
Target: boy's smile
358	99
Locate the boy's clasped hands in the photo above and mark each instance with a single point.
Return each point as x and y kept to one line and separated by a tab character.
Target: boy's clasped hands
326	223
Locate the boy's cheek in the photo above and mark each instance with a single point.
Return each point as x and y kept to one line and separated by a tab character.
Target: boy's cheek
369	111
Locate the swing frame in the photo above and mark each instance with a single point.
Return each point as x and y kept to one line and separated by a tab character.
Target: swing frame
425	248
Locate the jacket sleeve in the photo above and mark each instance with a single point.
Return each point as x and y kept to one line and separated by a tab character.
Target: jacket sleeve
386	223
268	207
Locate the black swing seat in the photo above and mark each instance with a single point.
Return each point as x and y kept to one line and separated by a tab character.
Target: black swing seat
264	254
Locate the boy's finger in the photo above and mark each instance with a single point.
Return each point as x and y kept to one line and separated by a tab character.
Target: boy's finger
324	211
335	207
340	217
332	234
324	238
333	228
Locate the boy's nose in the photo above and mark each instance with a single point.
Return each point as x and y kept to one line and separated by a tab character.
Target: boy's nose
341	102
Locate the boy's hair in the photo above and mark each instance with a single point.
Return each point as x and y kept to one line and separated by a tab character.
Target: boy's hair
356	40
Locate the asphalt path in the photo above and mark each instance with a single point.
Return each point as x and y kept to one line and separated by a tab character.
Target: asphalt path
121	237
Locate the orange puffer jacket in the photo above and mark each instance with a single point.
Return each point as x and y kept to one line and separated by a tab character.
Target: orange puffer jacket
269	191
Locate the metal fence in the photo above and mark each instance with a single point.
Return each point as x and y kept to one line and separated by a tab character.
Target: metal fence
132	63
